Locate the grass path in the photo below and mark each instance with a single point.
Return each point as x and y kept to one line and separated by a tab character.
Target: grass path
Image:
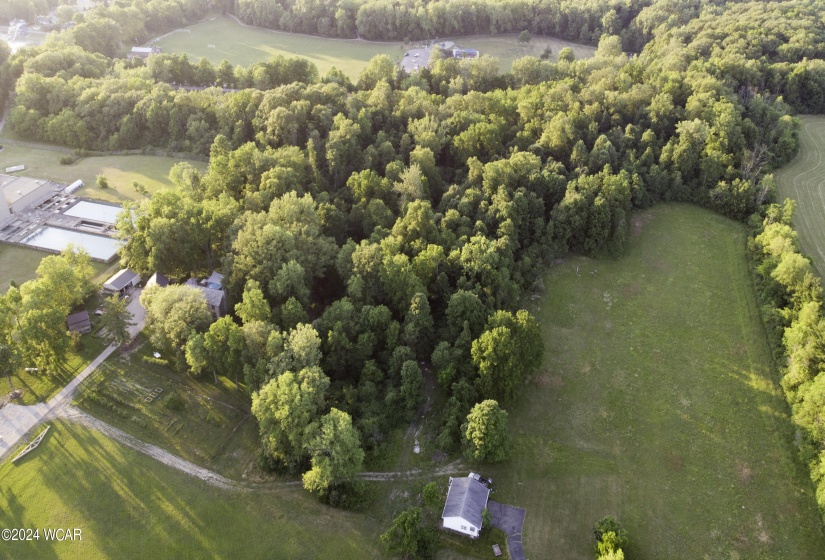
803	180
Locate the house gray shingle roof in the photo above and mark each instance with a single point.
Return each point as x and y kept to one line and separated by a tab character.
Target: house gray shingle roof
213	296
121	279
79	321
159	279
466	498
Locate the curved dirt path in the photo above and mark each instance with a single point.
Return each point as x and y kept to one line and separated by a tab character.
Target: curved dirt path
153	451
74	414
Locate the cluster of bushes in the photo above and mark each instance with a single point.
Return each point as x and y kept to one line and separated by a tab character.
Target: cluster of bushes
791	298
610	539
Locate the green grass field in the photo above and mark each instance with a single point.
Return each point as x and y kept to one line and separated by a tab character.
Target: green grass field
211	425
802	180
246	45
151	171
506	48
127	505
658	405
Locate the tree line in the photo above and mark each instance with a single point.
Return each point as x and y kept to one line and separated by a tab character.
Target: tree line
791	297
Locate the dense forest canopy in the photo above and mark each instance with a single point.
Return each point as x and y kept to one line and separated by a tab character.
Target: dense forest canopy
372	233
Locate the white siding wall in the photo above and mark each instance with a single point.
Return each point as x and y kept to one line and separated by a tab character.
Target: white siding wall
4	208
461	525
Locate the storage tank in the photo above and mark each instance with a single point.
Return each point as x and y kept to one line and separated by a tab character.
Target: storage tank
73	187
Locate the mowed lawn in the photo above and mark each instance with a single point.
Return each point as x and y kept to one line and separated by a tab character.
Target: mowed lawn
246	45
658	405
506	48
128	505
803	180
151	171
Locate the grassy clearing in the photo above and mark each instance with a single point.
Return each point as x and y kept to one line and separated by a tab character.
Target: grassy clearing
207	424
19	264
658	405
129	506
246	45
802	181
506	48
151	171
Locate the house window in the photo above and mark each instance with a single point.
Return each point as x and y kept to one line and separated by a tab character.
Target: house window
472	529
464	527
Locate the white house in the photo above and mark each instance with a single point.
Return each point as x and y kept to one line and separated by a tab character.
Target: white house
466	499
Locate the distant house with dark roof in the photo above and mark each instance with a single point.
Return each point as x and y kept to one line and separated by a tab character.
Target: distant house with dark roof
466	499
212	289
122	282
157	279
79	322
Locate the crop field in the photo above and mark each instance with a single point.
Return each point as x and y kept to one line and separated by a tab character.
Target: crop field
127	505
245	45
803	180
206	424
658	405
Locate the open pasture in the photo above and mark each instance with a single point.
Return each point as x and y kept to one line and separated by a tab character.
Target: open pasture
128	505
803	180
245	45
658	404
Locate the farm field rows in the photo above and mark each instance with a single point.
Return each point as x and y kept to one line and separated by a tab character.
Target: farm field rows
246	45
129	506
657	404
803	180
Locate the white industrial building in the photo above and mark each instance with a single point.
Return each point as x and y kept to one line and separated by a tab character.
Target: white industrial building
20	193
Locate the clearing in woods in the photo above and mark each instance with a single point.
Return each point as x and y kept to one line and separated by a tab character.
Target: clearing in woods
246	45
658	405
803	180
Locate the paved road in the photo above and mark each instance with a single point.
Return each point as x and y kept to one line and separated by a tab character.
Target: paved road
17	420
